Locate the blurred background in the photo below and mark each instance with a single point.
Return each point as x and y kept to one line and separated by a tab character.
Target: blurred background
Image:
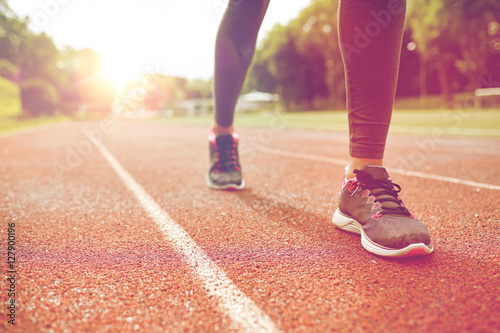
86	59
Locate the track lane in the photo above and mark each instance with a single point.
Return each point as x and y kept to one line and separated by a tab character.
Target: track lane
275	241
244	314
90	259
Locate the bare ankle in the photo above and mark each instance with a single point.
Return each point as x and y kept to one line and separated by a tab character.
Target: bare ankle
358	162
217	129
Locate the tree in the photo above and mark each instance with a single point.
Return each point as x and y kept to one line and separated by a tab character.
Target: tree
39	98
83	82
155	92
283	65
456	35
13	34
8	70
198	89
301	60
39	60
317	40
70	77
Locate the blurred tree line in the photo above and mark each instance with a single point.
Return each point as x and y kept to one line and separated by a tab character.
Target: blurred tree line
449	46
69	80
50	79
156	91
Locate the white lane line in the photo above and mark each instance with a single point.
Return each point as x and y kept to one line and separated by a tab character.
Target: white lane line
392	170
244	313
444	178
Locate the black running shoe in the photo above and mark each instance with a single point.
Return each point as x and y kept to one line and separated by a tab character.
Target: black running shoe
370	206
225	169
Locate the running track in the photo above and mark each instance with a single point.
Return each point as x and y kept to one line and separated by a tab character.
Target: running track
125	236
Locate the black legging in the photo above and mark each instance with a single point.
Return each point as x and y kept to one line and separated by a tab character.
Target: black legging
370	34
234	51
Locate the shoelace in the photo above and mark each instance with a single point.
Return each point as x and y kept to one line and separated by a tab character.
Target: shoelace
226	158
385	192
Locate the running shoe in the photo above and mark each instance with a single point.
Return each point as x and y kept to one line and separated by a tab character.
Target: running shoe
370	206
225	170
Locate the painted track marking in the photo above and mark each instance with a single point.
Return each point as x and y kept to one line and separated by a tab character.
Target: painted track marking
244	313
325	159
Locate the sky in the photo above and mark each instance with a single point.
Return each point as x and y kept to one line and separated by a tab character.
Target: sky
174	37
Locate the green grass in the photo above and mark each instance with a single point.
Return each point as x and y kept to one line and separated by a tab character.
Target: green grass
458	122
12	124
10	105
10	110
481	119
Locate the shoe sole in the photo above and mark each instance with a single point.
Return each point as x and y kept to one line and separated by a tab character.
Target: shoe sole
228	187
348	224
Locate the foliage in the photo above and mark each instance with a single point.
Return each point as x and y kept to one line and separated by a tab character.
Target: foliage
10	97
300	60
85	84
198	89
317	39
71	78
458	46
39	60
156	91
8	69
39	98
460	36
457	49
13	34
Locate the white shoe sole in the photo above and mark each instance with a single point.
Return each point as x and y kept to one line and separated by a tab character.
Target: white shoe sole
229	187
348	224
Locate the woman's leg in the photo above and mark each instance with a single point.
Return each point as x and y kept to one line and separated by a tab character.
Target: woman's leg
370	34
234	50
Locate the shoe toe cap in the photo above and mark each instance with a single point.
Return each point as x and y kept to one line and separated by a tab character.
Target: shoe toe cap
398	233
225	178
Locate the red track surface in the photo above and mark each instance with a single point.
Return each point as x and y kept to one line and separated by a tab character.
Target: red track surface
89	258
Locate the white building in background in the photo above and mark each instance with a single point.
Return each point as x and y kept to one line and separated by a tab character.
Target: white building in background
256	100
195	107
